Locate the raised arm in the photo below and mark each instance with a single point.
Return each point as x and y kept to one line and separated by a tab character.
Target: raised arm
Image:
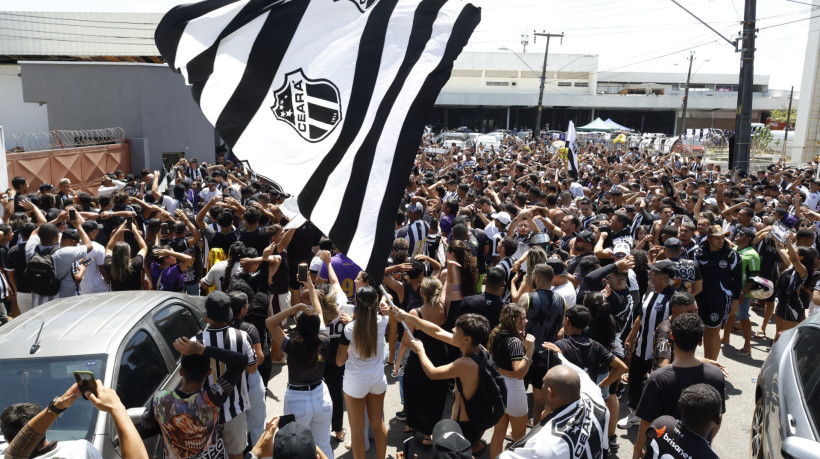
427	327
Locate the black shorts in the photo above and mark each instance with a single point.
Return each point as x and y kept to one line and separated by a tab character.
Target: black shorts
792	313
714	309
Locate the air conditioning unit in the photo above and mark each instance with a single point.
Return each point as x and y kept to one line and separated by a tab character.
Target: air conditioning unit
513	83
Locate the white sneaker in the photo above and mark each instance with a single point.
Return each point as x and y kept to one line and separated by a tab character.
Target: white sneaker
629	421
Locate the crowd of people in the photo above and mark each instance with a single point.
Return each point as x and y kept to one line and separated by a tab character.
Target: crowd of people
509	270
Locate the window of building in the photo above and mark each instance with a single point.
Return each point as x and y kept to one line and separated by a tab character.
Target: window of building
582	85
498	83
564	84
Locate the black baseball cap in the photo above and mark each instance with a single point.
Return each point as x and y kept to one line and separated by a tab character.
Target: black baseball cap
218	307
558	266
89	226
672	243
71	233
586	235
449	441
665	267
746	231
294	441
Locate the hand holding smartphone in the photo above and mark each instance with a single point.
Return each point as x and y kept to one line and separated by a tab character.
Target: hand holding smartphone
86	382
303	273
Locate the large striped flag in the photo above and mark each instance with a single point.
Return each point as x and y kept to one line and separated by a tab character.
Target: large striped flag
326	97
572	146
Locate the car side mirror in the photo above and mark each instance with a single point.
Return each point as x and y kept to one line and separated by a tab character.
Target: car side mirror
136	413
797	447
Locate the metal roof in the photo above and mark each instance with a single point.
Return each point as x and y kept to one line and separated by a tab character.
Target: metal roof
80	325
112	37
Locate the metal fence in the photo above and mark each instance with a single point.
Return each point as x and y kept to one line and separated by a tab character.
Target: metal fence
57	139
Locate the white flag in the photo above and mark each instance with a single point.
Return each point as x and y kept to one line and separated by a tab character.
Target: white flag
327	98
572	146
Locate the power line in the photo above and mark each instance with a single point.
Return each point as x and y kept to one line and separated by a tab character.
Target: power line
803	3
84	26
790	22
153	24
72	41
79	34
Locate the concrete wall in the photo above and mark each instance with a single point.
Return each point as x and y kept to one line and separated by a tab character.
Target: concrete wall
16	116
150	102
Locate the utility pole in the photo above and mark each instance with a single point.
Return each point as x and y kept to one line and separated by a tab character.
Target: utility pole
788	120
535	34
743	121
686	96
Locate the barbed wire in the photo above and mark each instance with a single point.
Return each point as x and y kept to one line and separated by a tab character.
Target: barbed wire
57	139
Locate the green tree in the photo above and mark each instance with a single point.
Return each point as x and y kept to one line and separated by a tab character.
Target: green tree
779	116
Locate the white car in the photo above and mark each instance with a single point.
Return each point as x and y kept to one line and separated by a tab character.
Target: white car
488	141
124	338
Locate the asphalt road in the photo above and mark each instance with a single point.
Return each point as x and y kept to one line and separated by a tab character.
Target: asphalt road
731	442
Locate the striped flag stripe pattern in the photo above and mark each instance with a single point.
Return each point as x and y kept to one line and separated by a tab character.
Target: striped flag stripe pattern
327	98
572	149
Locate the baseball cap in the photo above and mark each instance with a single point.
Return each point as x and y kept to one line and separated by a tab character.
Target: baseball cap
89	226
664	266
586	235
710	201
315	265
218	307
294	441
557	266
47	187
503	217
449	441
672	243
71	233
414	207
621	248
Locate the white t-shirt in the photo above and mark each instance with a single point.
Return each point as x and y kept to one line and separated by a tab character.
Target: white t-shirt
170	203
567	292
365	370
93	281
217	274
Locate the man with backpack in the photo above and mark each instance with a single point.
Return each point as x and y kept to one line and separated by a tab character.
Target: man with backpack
51	259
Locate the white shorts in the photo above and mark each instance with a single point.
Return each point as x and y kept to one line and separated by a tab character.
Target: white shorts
359	389
235	434
516	397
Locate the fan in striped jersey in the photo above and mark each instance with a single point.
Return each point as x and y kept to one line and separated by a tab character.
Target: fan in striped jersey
327	98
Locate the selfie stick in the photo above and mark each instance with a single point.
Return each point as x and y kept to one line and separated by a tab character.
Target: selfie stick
395	313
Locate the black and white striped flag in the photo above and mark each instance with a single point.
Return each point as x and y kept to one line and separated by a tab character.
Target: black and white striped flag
326	97
572	149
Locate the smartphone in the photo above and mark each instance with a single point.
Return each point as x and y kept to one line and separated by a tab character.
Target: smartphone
286	419
72	215
86	262
86	382
303	272
130	223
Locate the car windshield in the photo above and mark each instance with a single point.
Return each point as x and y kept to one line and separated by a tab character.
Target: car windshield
41	379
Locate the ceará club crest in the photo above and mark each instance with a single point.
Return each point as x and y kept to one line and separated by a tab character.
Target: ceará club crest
313	108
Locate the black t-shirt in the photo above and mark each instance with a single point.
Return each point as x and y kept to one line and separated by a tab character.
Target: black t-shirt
507	349
664	386
587	353
484	304
16	263
298	372
667	438
255	238
132	282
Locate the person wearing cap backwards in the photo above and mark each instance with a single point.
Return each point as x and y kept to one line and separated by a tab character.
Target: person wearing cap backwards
560	284
654	309
292	441
232	416
187	417
750	261
722	273
417	229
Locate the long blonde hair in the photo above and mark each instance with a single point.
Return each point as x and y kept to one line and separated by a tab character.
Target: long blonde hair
327	298
431	289
365	328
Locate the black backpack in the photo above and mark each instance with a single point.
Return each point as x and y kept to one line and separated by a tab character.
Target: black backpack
40	274
487	405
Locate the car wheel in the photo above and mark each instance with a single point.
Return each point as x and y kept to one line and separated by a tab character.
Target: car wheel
757	430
